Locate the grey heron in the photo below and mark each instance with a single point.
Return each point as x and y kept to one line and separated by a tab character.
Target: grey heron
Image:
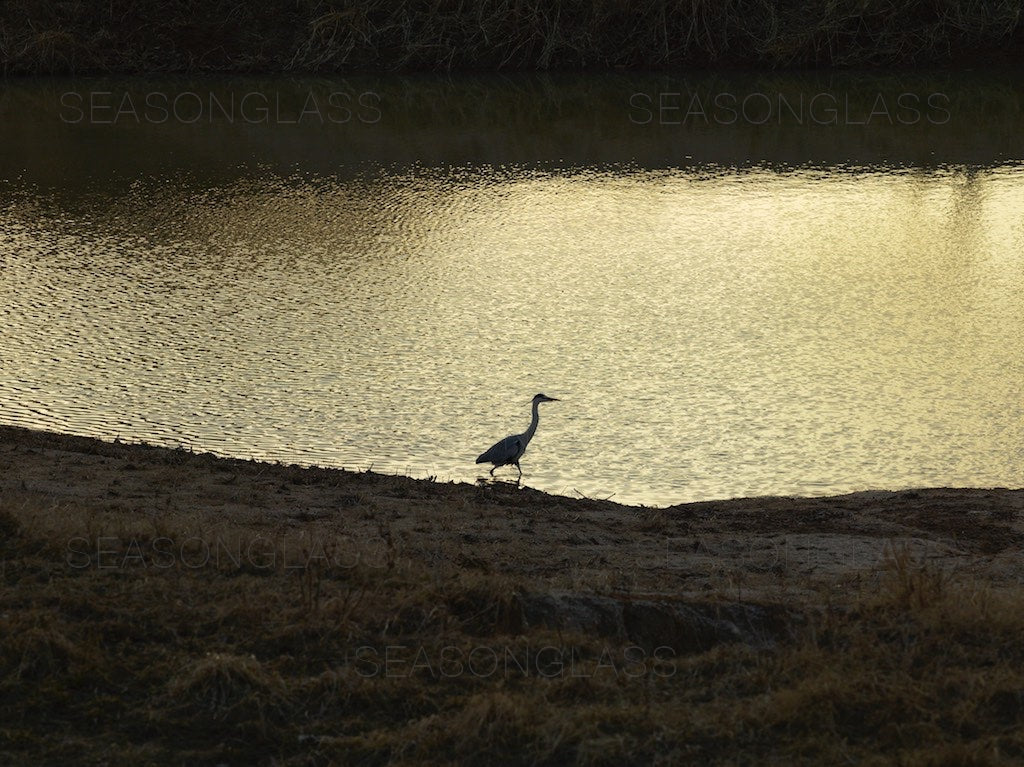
511	449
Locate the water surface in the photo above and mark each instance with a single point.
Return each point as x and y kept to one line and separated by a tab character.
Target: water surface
724	309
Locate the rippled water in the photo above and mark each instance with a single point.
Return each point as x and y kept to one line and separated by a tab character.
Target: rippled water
712	329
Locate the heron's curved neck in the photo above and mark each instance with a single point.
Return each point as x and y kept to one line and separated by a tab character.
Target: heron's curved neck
528	434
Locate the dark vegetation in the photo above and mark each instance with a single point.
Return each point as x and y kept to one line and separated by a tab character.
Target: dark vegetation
120	36
121	662
184	611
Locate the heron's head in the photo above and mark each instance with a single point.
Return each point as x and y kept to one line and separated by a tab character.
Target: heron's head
545	398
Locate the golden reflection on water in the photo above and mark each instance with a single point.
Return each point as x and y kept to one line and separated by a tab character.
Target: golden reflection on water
710	333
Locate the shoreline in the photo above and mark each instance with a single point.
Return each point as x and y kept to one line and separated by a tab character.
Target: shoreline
823	536
170	607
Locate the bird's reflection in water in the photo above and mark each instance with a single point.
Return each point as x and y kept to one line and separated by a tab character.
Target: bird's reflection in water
498	482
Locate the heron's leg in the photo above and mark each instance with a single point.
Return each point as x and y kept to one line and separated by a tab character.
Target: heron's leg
492	470
520	471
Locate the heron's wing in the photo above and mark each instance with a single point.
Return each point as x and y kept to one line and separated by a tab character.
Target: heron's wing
504	451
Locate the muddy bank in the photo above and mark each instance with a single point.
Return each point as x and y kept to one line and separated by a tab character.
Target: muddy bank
741	548
162	607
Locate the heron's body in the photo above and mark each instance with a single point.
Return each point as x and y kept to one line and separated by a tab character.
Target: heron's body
511	449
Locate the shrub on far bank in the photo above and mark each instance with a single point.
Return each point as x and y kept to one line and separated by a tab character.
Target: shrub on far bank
38	37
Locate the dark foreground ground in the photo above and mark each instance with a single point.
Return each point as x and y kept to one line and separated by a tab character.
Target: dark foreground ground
161	607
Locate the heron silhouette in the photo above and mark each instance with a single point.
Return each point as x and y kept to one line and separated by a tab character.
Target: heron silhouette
511	449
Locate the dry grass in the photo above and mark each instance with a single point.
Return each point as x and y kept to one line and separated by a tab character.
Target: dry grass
332	35
279	645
